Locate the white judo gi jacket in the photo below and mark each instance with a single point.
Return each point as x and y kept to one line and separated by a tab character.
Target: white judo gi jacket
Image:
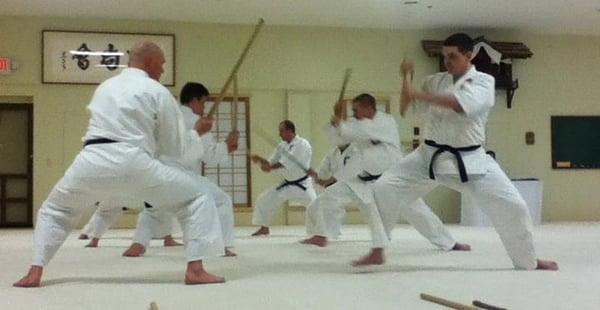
297	186
144	119
378	145
486	183
340	165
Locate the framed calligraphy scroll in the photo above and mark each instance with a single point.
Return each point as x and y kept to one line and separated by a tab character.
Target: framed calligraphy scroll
74	57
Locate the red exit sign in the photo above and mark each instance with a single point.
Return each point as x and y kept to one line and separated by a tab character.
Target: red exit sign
4	65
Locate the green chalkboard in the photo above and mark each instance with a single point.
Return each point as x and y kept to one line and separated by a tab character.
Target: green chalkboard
575	142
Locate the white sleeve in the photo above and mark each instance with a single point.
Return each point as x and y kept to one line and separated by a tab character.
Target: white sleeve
325	168
419	108
193	150
334	136
214	152
366	129
276	156
476	95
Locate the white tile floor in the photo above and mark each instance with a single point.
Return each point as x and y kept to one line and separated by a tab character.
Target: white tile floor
278	273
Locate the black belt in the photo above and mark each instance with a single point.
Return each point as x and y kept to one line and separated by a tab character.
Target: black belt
441	148
98	141
293	183
367	177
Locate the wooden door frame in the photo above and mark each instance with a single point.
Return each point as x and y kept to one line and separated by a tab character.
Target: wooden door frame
28	108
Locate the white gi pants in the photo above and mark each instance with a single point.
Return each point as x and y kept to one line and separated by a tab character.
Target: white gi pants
151	218
409	180
322	215
271	199
109	211
123	170
102	220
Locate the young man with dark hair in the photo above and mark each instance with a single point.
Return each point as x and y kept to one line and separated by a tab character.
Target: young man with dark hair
458	103
193	97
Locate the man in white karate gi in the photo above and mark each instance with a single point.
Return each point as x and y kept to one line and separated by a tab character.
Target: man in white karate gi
291	158
133	120
458	102
338	165
193	97
375	136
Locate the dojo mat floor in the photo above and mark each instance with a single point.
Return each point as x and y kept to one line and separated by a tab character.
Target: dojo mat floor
277	272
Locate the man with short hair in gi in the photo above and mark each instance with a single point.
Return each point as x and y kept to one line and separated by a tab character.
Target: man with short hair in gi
335	165
375	136
458	103
292	159
133	120
193	97
338	165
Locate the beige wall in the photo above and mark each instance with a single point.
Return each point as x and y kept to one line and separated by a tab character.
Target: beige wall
308	63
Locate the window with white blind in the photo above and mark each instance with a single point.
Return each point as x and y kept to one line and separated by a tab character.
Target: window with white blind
233	176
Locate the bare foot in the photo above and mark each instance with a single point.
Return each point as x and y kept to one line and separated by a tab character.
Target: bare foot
83	237
262	231
461	247
135	250
93	243
320	241
546	265
32	279
195	274
169	241
229	253
375	257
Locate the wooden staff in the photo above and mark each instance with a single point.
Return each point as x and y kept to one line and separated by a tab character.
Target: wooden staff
340	108
234	103
236	67
405	99
447	303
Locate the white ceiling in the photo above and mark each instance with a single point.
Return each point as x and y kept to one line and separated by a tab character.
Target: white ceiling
540	16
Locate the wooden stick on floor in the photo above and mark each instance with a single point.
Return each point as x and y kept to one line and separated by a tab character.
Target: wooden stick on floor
153	306
486	306
447	303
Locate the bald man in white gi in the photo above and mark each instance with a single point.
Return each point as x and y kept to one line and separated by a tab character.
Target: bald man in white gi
133	120
458	103
291	158
375	136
